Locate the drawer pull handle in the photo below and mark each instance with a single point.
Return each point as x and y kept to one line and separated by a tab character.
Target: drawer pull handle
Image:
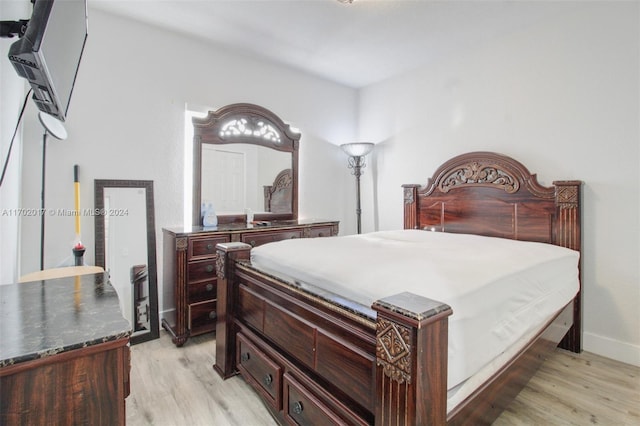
267	380
245	357
293	236
320	234
212	315
297	407
209	287
252	243
209	247
209	268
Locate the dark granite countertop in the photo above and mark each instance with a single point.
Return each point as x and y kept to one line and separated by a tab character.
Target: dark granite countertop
243	227
43	318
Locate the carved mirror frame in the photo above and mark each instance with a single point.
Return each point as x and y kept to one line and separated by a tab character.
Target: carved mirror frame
248	124
100	246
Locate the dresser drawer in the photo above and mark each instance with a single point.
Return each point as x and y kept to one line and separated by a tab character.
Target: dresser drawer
202	314
202	291
321	231
258	238
259	370
202	270
205	246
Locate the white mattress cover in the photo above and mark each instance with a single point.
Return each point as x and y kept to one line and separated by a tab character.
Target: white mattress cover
499	289
461	391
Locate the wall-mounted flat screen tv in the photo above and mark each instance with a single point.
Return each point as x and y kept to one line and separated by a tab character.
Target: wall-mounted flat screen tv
49	52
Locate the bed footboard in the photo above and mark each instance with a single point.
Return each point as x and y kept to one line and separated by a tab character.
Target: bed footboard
411	358
395	361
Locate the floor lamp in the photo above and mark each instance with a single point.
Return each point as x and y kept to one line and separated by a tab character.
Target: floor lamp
54	127
357	152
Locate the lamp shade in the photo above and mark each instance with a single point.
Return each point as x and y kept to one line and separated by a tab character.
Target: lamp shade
357	149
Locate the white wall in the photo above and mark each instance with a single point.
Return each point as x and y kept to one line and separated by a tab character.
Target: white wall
12	95
563	98
126	121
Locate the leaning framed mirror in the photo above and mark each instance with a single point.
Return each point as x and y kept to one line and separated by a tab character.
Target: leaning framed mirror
245	161
125	247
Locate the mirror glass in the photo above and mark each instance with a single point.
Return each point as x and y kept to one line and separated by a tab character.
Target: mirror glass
245	161
125	248
238	176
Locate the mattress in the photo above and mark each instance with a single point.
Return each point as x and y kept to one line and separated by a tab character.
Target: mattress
500	290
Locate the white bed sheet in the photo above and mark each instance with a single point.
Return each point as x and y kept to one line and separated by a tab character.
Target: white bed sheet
499	289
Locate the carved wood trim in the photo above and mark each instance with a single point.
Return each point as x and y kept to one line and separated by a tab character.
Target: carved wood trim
393	350
408	196
221	260
480	174
411	207
182	243
485	169
567	196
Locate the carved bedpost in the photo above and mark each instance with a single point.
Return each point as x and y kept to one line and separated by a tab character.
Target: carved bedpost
227	254
411	360
567	234
411	206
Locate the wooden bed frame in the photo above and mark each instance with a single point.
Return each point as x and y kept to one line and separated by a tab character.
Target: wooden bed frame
316	358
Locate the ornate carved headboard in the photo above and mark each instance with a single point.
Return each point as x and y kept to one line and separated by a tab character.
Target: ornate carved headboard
277	197
491	194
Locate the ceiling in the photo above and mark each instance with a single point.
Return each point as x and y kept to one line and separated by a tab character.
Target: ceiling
353	44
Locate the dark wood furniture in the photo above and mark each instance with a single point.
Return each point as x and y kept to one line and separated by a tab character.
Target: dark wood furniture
64	357
190	266
313	356
277	197
246	124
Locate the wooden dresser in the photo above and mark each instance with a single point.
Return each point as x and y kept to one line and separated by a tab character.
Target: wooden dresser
190	266
64	354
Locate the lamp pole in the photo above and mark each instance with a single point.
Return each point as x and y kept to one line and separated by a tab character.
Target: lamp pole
357	163
357	152
54	127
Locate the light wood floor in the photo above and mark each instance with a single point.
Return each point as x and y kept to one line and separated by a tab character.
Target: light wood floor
177	386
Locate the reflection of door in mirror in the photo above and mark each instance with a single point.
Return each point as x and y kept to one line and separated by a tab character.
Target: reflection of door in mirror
233	176
126	251
223	182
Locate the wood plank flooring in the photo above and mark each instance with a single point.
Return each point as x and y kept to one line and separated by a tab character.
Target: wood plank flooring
177	386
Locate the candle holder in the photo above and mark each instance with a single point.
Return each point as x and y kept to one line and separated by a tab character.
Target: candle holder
78	253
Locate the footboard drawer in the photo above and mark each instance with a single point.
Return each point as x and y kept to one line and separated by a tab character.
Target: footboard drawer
260	371
303	407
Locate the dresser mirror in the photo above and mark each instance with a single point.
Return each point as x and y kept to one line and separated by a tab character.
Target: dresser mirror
125	247
245	161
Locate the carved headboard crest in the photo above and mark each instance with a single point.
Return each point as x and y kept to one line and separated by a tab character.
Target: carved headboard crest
486	169
476	173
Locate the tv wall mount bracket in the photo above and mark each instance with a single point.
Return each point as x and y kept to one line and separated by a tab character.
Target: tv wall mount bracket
9	29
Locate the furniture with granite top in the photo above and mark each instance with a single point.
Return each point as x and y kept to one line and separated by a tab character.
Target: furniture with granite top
261	139
315	356
190	266
64	357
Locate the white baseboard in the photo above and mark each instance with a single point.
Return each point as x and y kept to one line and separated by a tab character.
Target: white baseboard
169	315
610	348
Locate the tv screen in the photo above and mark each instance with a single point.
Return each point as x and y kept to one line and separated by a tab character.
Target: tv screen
49	52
